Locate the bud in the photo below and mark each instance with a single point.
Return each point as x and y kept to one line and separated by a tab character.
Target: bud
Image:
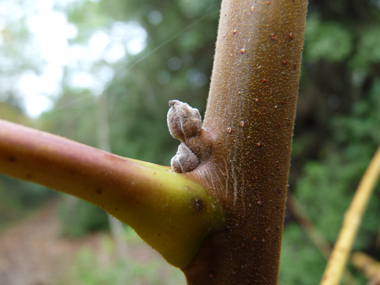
183	120
184	160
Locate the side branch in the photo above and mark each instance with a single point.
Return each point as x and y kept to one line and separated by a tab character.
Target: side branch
170	211
351	223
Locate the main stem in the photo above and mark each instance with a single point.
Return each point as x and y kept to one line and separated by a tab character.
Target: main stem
250	111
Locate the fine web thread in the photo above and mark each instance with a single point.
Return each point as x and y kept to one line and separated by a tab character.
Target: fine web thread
122	72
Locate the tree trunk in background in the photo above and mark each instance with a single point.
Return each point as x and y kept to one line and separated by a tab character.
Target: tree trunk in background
103	139
250	112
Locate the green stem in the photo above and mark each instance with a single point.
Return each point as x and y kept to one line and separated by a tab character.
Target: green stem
170	211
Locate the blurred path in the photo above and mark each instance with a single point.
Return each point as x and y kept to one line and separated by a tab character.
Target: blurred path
32	253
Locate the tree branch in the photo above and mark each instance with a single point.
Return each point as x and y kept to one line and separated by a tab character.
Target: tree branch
170	211
351	223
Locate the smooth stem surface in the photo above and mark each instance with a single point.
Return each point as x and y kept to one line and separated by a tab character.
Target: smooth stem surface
170	211
351	223
250	112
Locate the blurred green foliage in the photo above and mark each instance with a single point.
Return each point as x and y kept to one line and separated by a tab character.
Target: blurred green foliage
79	217
337	131
327	40
301	263
338	119
91	269
18	197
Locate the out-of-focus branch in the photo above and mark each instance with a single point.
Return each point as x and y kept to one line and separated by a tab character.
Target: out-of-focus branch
314	234
369	266
308	226
351	222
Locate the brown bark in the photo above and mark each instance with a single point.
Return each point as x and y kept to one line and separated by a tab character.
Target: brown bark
250	112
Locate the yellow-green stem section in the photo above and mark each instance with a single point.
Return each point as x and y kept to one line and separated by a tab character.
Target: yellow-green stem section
170	211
